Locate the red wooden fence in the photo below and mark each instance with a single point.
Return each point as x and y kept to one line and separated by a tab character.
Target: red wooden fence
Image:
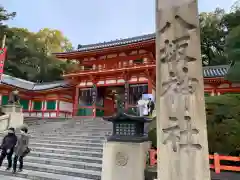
216	166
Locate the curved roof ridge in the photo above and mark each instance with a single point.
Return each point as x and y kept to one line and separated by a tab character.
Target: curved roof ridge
29	85
118	42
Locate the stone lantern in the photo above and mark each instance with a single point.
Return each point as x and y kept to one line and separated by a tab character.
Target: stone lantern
128	128
124	152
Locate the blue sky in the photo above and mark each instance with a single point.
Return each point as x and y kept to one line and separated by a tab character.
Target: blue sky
92	21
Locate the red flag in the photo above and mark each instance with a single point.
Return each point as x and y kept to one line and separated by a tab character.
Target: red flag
3	52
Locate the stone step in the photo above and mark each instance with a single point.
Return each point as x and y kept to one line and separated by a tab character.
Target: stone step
69	152
80	142
83	158
37	175
4	177
84	147
75	128
71	132
65	163
80	138
71	135
63	170
69	138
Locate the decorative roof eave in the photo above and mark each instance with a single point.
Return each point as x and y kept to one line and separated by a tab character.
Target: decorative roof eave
58	88
216	80
124	116
31	86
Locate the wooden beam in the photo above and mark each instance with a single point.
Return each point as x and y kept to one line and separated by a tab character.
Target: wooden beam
115	70
115	59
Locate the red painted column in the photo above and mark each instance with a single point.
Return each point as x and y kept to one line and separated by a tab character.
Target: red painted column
43	106
75	105
150	86
30	107
58	104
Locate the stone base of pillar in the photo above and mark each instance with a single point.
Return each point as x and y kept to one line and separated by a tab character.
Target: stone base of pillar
15	115
124	160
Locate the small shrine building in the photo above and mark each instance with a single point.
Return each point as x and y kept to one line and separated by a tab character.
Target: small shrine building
125	68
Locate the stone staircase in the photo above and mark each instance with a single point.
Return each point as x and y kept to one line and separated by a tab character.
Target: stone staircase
63	150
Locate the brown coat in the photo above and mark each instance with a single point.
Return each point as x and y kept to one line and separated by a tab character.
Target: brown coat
22	144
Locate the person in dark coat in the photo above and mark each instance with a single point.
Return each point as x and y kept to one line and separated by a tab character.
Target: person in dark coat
7	147
151	106
21	149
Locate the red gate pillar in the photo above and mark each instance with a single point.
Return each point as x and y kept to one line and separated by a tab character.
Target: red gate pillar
75	104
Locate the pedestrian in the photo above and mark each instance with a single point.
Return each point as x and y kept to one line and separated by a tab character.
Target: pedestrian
21	149
7	147
151	106
140	106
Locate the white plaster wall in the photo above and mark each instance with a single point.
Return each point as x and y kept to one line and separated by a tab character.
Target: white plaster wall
65	106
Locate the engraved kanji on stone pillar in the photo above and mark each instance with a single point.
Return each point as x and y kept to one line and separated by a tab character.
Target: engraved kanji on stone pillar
173	133
181	121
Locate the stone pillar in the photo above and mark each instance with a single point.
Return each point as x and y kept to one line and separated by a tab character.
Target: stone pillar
181	118
124	160
15	115
124	153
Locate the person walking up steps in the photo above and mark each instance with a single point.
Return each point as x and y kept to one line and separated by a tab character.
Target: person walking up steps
21	149
7	147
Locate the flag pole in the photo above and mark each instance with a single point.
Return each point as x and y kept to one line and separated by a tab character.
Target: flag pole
3	41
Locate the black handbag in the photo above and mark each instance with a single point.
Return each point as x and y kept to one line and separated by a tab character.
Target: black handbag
26	152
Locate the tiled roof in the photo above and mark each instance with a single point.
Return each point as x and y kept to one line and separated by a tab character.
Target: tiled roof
120	42
215	71
208	72
28	85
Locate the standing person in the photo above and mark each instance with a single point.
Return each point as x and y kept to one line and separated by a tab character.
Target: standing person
21	149
7	147
140	105
151	106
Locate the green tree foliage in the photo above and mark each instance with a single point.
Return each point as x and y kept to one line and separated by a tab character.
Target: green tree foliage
29	55
212	37
220	44
54	41
4	16
233	53
223	120
232	46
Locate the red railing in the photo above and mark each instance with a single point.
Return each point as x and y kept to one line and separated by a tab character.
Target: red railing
216	166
